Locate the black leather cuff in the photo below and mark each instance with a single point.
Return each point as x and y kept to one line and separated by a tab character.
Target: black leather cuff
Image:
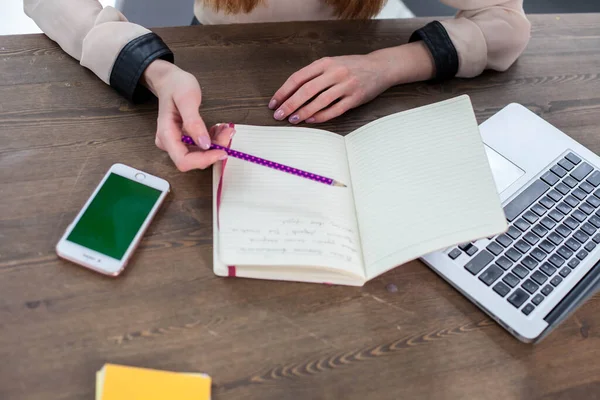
445	57
133	61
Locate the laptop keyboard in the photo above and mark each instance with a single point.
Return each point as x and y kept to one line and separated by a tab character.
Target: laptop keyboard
553	225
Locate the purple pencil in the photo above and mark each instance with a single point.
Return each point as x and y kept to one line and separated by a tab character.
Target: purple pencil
266	163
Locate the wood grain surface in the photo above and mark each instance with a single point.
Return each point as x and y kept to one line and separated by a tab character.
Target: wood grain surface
60	130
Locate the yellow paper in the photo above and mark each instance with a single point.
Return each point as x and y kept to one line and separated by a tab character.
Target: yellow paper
117	382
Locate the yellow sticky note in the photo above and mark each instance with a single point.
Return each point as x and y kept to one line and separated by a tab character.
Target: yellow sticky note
118	382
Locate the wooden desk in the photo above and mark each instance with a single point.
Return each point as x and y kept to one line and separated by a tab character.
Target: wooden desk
61	129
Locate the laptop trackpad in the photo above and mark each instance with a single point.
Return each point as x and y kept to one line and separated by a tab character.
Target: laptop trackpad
505	172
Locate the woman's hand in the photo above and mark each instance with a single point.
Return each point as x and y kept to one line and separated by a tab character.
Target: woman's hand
179	97
331	86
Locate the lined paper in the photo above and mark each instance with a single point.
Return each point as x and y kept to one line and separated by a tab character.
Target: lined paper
421	181
268	217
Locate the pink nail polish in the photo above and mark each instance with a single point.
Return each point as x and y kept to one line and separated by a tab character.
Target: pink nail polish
294	119
273	104
232	133
279	114
231	125
310	120
223	157
204	142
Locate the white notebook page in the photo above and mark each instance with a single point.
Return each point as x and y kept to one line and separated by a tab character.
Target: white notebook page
268	217
421	183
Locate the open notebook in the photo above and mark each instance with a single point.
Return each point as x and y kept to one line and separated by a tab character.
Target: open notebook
418	181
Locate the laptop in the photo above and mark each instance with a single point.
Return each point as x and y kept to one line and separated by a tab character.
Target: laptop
532	277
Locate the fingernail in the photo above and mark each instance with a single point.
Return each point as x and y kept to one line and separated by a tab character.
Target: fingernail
232	133
294	119
231	125
272	104
279	114
223	157
310	120
204	142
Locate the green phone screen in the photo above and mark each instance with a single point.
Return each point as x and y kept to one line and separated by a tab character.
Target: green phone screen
114	216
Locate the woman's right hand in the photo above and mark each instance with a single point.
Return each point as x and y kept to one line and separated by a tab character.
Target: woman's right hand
179	98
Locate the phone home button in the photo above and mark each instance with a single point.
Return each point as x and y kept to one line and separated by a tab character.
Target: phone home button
140	177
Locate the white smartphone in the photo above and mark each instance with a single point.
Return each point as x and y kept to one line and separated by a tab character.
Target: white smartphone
112	222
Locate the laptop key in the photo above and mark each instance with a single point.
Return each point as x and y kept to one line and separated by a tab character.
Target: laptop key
490	275
525	199
558	170
513	232
549	203
593	201
586	187
511	280
501	289
573	158
565	252
571	222
530	217
565	272
582	254
596	238
550	178
504	240
555	238
518	297
556	215
581	171
554	195
528	309
590	246
588	228
572	201
581	236
579	216
539	230
566	164
495	248
541	210
562	188
564	230
531	238
556	260
539	278
479	262
594	178
547	246
522	224
546	290
537	299
454	254
579	194
522	246
529	262
573	263
573	244
520	271
548	223
586	208
564	208
472	250
548	269
594	220
538	254
556	281
570	182
504	263
530	286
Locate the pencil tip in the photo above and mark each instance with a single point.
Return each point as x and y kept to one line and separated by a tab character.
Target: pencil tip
338	184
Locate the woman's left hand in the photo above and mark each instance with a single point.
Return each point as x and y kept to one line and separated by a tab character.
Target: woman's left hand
333	85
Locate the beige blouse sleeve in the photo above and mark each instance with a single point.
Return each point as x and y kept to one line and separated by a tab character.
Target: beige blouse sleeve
487	34
102	39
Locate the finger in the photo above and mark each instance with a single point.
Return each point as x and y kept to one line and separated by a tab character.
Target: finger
158	143
170	138
320	103
334	111
188	105
296	80
223	134
302	95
